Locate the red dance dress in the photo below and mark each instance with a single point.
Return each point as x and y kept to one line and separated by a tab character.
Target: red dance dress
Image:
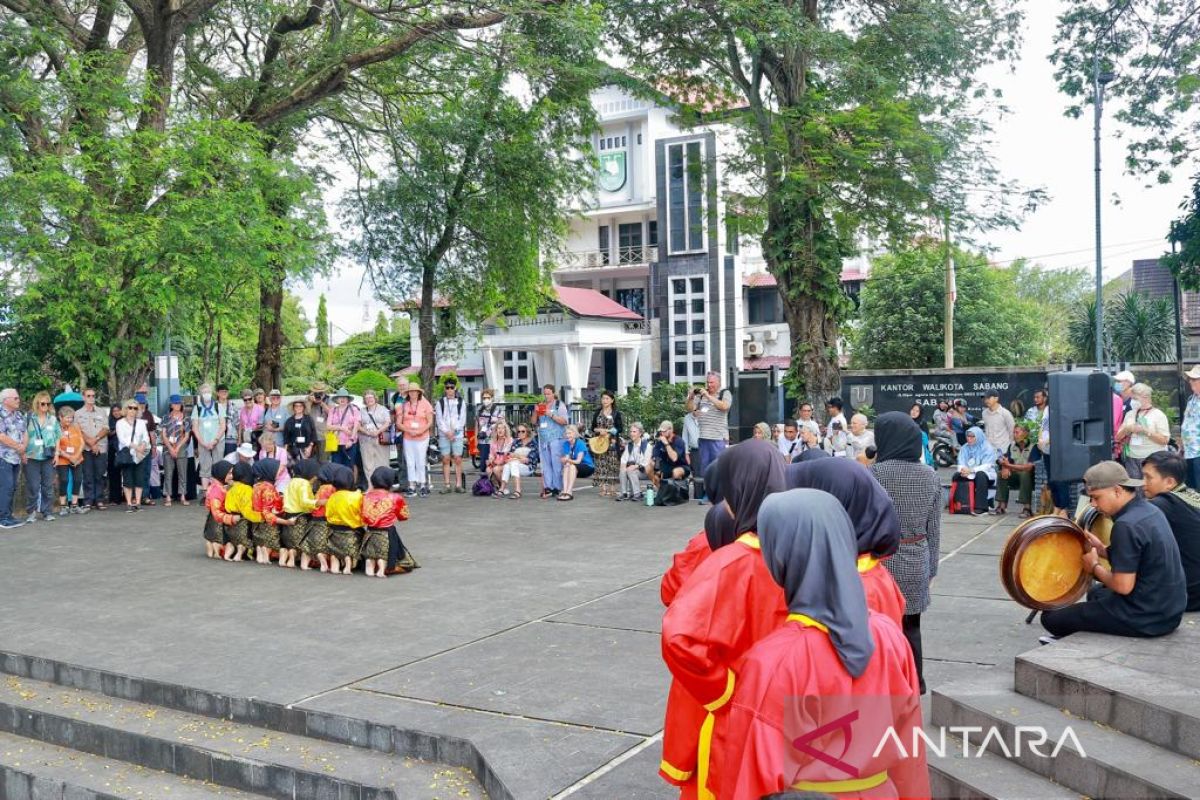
799	721
728	604
883	595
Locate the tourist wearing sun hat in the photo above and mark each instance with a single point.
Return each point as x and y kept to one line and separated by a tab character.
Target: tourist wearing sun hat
344	420
1190	428
318	409
275	416
414	417
299	434
176	436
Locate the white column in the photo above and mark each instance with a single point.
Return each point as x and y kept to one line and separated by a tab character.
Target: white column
543	365
627	359
493	370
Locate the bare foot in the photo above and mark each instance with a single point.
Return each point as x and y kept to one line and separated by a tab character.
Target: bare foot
381	574
324	568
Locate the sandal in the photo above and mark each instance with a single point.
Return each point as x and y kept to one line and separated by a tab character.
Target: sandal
565	496
1025	514
515	496
545	494
167	503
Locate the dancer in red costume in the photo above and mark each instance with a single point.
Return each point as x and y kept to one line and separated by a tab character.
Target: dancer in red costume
816	698
876	524
728	603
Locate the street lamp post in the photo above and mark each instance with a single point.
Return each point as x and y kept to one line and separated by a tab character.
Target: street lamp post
1099	81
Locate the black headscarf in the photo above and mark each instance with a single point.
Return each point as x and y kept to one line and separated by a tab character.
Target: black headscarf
808	544
876	524
811	454
748	472
718	526
305	468
897	438
343	478
384	478
243	473
221	469
327	472
266	469
712	482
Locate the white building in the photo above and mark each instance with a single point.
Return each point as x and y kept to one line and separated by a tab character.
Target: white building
653	285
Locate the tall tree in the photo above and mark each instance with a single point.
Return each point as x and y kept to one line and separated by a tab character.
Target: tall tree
104	102
479	182
382	328
900	317
1184	259
856	117
1150	48
322	335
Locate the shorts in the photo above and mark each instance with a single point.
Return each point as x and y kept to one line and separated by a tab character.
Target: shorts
449	448
584	470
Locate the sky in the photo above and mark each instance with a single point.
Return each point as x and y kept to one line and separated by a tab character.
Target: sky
1034	144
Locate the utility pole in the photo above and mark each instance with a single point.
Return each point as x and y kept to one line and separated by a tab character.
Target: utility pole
948	311
1099	81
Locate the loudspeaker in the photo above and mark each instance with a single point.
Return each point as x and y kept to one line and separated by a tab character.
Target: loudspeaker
1081	423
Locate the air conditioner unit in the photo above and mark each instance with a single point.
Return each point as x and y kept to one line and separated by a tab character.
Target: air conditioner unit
754	348
770	336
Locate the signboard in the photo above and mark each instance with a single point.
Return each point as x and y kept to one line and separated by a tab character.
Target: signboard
896	392
612	170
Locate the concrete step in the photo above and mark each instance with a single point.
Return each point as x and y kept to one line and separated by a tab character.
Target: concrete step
1111	765
1134	686
34	770
229	754
971	774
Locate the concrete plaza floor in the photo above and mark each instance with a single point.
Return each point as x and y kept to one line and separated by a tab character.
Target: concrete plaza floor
531	629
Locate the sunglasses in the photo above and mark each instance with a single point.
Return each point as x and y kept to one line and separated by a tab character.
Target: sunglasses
522	430
43	404
131	408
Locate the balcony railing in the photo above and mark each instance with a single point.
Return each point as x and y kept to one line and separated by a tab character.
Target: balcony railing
599	259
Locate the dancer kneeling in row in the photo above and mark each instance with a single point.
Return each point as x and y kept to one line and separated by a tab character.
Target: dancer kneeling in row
218	518
239	501
381	510
344	512
268	505
299	502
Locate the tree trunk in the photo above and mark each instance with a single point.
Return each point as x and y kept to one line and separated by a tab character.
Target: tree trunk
268	369
426	326
220	350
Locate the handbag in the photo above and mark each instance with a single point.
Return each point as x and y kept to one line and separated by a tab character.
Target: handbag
483	487
331	441
124	457
598	445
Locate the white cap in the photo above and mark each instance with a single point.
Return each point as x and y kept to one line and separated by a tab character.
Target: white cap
1126	376
245	450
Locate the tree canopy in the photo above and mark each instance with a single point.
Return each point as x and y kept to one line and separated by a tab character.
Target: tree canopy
900	319
857	118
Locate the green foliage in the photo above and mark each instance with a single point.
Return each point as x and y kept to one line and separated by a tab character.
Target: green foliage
322	325
855	118
1137	329
439	386
368	379
386	353
1150	47
1051	291
382	328
1184	237
663	401
901	318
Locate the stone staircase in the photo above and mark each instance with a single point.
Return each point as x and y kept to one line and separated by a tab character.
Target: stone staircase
68	733
1126	712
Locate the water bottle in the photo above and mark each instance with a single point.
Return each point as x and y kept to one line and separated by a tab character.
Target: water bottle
649	497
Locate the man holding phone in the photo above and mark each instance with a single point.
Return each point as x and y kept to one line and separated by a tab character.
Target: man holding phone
711	404
669	457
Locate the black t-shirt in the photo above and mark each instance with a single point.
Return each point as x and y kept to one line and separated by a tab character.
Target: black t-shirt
1142	543
660	453
1184	519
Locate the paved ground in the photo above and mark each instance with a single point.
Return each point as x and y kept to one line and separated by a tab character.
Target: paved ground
531	629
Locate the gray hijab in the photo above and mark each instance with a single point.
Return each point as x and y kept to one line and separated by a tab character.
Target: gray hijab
808	543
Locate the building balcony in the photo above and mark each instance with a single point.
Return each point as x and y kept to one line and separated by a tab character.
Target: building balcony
618	257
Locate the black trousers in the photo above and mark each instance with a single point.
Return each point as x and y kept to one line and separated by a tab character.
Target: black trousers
1087	616
911	625
95	467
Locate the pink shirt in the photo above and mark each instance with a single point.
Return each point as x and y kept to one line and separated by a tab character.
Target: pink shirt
347	417
413	418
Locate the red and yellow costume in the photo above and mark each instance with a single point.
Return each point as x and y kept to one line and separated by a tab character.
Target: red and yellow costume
381	509
790	686
683	564
728	604
883	595
323	494
214	501
267	502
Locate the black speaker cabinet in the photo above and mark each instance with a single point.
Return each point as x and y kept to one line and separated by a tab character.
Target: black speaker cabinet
1080	423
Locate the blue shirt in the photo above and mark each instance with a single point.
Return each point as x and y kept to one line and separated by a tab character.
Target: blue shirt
548	429
12	425
42	438
1191	428
575	451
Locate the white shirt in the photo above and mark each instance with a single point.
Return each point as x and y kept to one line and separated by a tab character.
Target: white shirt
638	454
859	442
812	425
998	428
133	435
451	415
792	448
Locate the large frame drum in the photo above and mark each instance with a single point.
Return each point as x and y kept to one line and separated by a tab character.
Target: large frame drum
1042	567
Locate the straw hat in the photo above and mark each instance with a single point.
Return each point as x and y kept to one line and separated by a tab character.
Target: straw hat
415	386
318	387
1193	374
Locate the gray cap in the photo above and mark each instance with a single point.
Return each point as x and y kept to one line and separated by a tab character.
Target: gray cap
1108	474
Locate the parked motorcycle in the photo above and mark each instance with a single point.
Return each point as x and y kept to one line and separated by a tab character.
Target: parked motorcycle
944	447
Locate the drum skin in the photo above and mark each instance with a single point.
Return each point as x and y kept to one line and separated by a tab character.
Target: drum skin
1041	566
1095	522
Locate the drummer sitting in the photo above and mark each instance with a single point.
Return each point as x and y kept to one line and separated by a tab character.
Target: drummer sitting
1144	592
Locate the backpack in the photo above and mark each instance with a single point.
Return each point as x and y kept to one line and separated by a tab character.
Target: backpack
483	487
672	492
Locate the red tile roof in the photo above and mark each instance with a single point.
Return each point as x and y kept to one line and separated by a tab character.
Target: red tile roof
766	362
590	303
758	280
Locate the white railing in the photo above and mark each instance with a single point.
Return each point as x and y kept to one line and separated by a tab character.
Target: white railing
599	259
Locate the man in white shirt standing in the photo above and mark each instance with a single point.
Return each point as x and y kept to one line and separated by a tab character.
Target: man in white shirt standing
805	420
790	444
998	422
451	424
